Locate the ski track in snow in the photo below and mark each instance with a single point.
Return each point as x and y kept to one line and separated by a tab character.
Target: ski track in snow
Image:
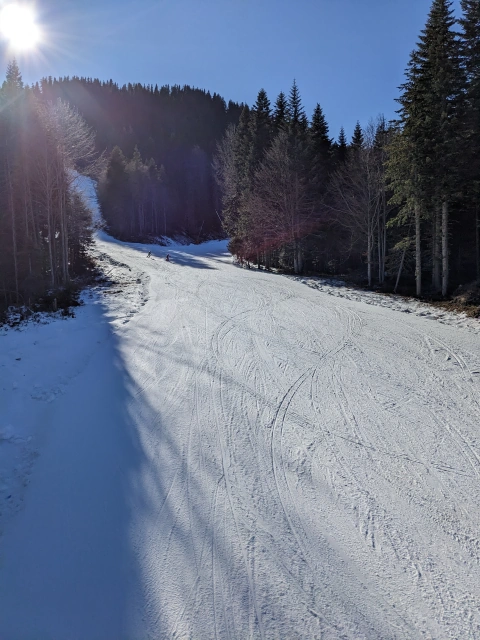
295	464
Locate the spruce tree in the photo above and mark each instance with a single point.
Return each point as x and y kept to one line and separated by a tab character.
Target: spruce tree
320	152
341	149
244	172
297	119
357	138
298	156
243	156
280	113
429	120
470	52
319	130
261	127
13	82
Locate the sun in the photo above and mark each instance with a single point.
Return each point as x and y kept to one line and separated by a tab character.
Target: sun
17	25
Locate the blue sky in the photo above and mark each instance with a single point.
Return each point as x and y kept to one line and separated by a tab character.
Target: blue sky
349	55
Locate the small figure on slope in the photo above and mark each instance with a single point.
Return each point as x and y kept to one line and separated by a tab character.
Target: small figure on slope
168	257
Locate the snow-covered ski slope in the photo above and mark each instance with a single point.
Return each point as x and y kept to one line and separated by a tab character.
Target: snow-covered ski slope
238	455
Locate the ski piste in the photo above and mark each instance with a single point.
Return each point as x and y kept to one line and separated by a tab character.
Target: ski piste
220	452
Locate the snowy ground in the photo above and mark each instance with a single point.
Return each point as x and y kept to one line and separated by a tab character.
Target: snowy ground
212	452
340	289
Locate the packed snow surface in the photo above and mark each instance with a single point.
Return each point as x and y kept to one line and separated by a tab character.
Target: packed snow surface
212	452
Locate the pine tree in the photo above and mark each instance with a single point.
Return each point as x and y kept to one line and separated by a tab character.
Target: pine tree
280	113
357	138
241	218
298	162
297	119
320	152
429	120
261	127
243	155
470	51
13	83
341	148
319	134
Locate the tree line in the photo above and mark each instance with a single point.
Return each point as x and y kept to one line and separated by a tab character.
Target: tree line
160	143
45	227
400	198
396	205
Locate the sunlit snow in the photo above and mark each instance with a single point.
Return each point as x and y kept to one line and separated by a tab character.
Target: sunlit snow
209	452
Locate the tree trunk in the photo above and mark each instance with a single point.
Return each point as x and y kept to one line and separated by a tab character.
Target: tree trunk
437	251
400	269
418	250
384	231
14	229
477	236
370	242
300	258
268	259
380	279
445	267
369	258
51	236
62	212
297	257
382	241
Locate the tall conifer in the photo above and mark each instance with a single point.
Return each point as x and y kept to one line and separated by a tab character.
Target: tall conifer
320	155
470	51
261	127
341	148
280	113
429	118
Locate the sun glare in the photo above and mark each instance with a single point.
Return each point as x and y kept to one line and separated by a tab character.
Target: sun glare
17	25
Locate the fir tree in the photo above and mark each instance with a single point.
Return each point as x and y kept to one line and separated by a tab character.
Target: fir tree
320	152
243	173
297	119
298	163
341	148
243	155
319	131
429	119
357	138
470	51
261	127
13	82
280	113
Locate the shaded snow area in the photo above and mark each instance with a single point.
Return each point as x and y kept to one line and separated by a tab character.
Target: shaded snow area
212	452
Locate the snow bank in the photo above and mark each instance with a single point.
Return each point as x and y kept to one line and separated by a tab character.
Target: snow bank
340	289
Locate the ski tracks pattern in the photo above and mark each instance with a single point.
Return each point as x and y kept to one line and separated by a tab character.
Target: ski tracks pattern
313	463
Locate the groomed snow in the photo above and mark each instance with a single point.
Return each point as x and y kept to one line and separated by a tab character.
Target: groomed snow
227	453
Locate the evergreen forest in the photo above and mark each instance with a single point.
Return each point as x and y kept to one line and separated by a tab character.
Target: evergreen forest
396	206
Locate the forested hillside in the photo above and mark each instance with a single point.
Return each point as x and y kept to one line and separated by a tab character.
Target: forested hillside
397	206
400	200
160	144
150	148
45	227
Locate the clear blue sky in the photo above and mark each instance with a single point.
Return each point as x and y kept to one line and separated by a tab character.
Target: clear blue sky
349	55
